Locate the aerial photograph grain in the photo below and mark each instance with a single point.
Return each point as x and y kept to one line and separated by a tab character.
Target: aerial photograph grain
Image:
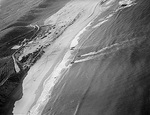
74	57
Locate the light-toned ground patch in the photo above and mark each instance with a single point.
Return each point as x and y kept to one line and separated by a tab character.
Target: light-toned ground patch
56	57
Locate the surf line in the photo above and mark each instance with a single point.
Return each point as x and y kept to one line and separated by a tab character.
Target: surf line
50	82
55	76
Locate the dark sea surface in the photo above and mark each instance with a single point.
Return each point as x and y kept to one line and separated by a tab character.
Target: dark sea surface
15	19
117	81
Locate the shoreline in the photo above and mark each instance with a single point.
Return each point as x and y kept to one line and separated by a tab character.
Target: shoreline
57	44
76	38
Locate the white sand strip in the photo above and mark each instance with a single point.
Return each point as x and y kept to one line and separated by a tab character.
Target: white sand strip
60	50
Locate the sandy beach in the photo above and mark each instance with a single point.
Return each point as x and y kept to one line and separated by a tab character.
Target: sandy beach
46	72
